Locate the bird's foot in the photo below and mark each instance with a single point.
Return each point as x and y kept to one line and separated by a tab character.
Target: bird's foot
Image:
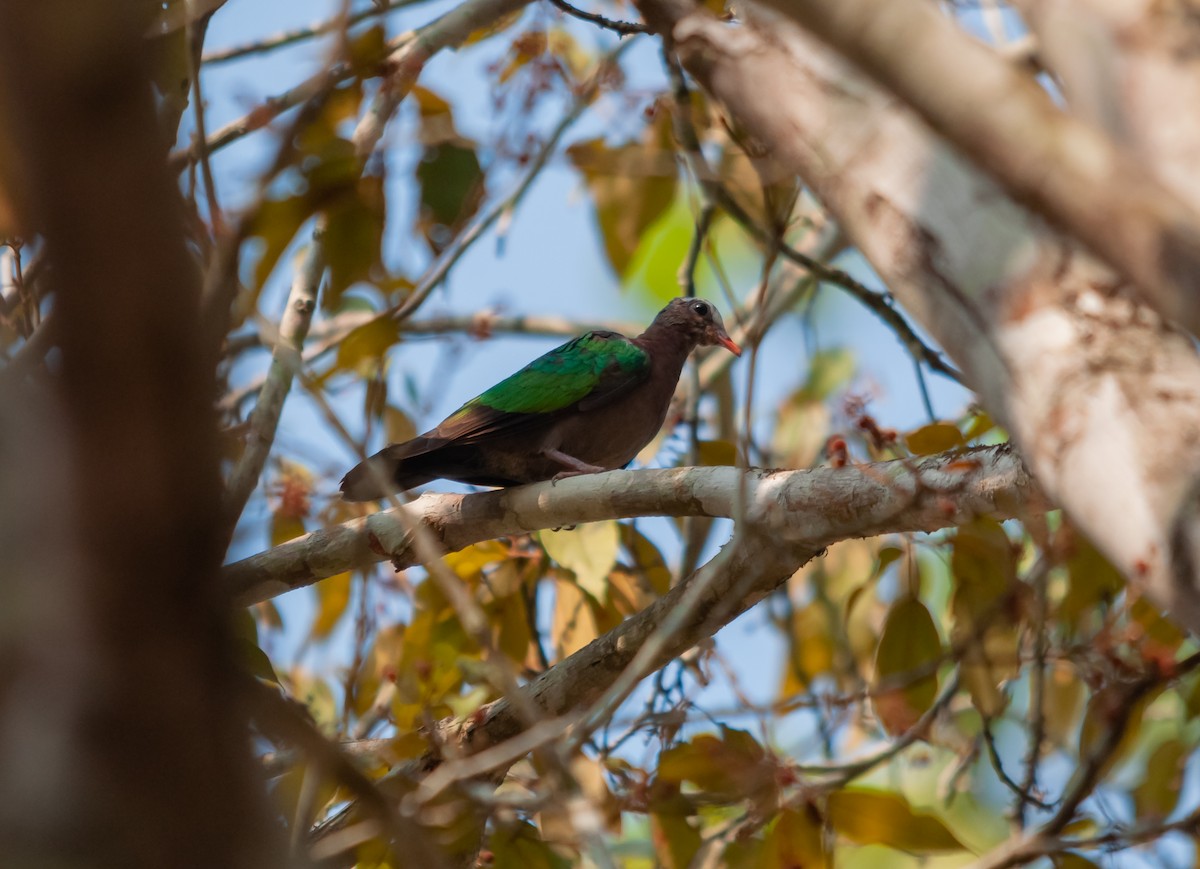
574	467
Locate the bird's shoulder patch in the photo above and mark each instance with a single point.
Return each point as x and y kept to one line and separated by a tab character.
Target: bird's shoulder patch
568	374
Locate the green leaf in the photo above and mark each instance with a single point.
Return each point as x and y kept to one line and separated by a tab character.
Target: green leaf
676	842
452	188
589	551
910	642
1105	709
934	438
449	175
879	818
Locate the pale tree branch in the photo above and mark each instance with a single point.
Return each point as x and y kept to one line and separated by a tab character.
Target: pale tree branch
285	361
1006	123
885	497
1128	69
1100	394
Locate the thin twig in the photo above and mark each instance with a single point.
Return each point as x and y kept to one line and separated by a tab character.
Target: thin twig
302	34
989	742
196	31
624	28
1037	691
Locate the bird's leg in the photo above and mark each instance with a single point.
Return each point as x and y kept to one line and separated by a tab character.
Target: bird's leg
575	467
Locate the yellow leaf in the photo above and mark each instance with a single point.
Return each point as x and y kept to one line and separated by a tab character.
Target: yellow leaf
733	766
934	438
468	563
717	453
1062	702
1105	710
367	343
879	818
574	623
910	643
1158	793
984	567
397	425
795	841
1160	637
510	627
333	595
589	551
812	644
676	841
1092	583
632	186
1073	861
647	559
285	528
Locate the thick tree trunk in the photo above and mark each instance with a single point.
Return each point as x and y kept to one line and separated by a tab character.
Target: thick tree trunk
123	738
1100	394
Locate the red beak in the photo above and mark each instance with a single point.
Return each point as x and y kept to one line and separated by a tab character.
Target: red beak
727	342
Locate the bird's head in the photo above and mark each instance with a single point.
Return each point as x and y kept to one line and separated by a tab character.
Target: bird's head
701	320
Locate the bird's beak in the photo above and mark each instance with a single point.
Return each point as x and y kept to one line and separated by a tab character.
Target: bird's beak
725	341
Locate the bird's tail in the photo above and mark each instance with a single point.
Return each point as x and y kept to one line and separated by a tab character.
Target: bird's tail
383	474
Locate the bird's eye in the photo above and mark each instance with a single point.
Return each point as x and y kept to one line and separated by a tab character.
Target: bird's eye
700	308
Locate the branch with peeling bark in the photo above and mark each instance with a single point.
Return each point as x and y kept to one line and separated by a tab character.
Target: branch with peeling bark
819	507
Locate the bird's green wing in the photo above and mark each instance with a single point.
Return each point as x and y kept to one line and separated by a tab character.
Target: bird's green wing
582	374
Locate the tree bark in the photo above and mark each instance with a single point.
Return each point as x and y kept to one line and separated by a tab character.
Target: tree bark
1101	395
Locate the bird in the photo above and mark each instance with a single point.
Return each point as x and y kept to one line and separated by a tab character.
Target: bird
587	406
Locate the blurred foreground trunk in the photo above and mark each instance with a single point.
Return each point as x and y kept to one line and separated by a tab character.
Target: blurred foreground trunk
123	737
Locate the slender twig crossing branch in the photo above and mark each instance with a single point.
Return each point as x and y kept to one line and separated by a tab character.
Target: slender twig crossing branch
624	28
